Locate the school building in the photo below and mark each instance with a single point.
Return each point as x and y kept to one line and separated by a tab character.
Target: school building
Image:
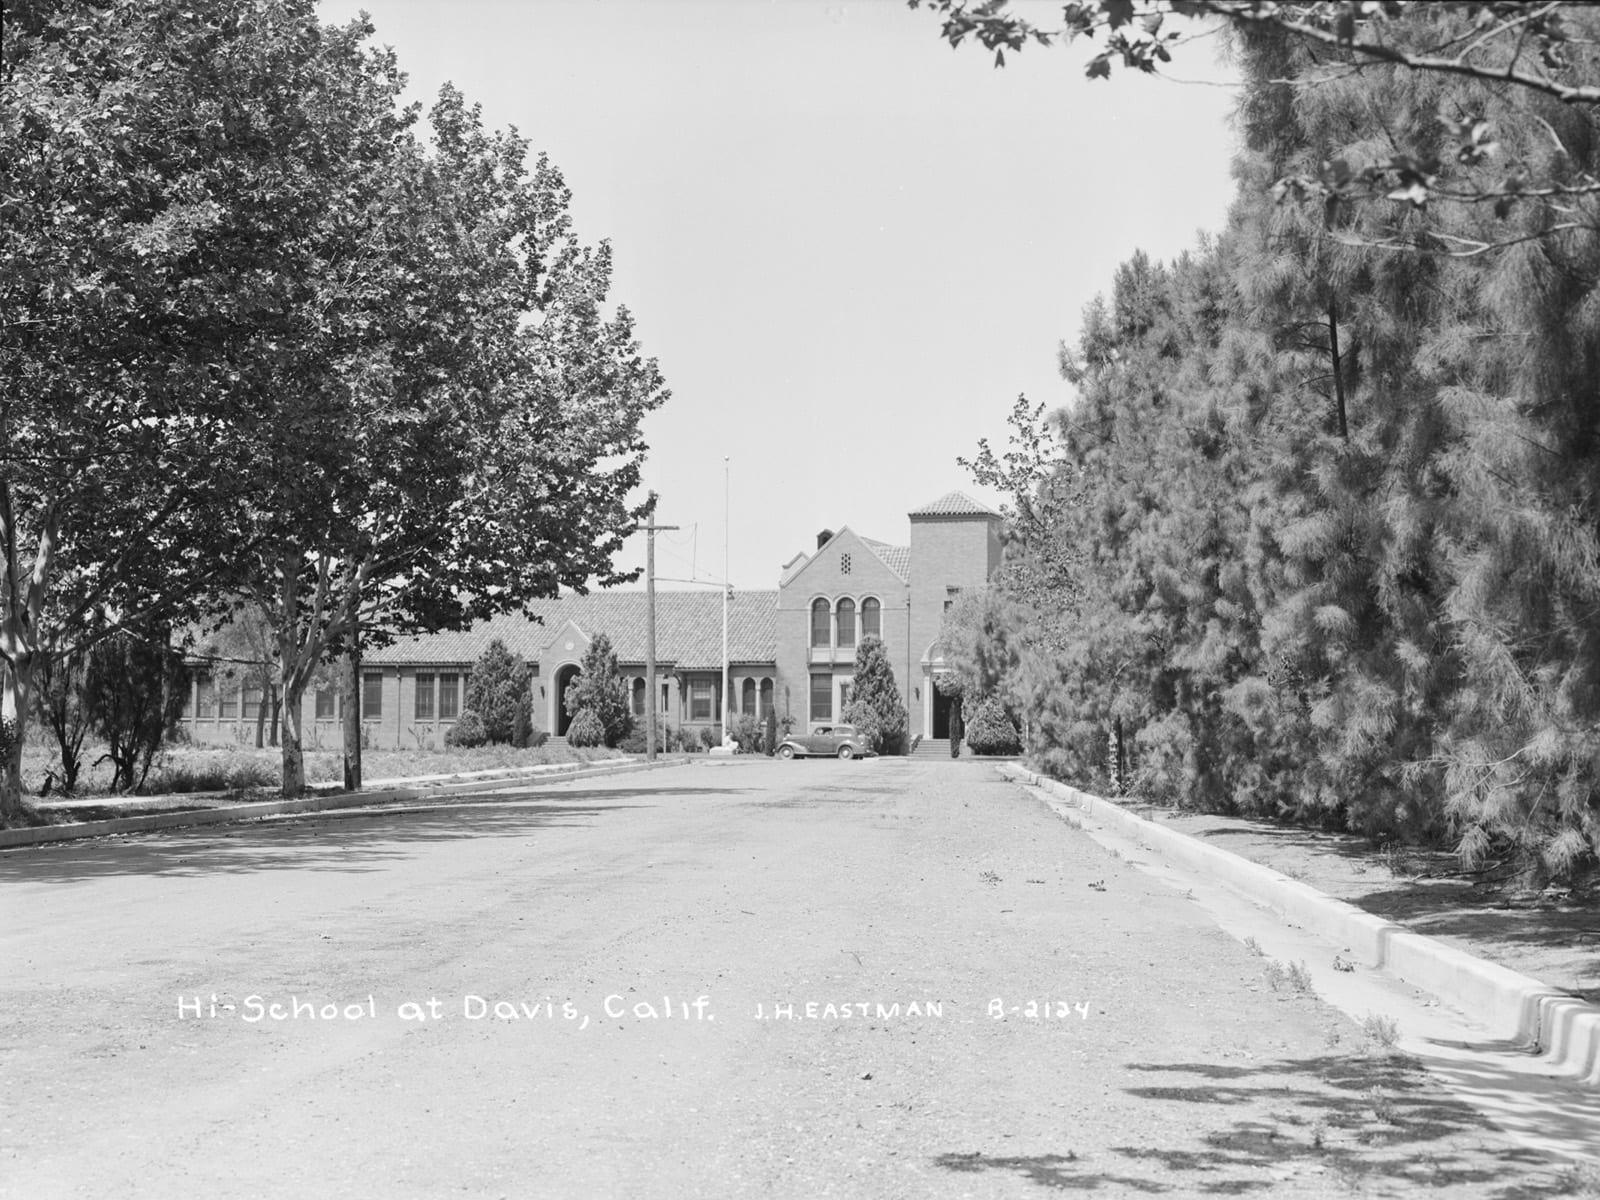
791	648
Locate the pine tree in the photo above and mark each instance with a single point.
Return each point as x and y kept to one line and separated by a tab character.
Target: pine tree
600	690
876	708
497	686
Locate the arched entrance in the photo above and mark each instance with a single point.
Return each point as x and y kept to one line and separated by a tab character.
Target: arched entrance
563	677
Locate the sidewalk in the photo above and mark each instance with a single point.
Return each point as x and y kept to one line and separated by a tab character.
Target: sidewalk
1561	1031
147	813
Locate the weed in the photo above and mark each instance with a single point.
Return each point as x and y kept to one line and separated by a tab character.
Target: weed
1319	1136
1381	1030
1276	974
989	877
1254	947
1332	1038
1382	1105
1300	978
1580	1179
1292	976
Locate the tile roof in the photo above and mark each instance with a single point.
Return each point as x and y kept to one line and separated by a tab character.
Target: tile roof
688	630
953	504
896	558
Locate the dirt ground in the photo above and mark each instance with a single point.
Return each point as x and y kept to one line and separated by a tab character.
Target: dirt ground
923	984
1552	938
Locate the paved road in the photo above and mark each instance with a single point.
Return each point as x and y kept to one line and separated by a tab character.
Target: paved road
782	980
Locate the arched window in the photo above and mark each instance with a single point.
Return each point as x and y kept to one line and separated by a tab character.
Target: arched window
638	697
747	702
766	699
820	633
847	622
871	618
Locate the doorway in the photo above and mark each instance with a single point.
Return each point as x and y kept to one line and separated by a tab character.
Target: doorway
563	677
942	705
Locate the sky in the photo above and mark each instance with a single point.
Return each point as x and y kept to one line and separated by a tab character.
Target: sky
849	246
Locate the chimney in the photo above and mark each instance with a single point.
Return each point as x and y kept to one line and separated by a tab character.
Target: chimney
824	538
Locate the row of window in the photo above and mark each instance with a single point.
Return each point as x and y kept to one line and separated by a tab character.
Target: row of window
702	695
835	624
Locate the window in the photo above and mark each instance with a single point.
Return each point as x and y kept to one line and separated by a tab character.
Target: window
871	618
846	690
252	701
701	700
820	633
844	564
205	695
847	622
228	702
766	699
747	703
666	697
638	697
822	697
424	708
449	697
326	702
371	696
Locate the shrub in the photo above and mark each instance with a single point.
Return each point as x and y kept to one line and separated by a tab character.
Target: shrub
469	731
496	691
710	735
747	733
134	689
876	709
601	689
990	731
522	729
769	741
586	730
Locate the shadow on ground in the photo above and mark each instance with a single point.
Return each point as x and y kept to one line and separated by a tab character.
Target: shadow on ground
343	840
1363	1123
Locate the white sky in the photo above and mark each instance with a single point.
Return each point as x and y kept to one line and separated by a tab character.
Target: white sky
849	246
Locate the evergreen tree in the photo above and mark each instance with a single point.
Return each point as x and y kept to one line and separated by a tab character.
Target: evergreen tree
497	685
601	691
875	707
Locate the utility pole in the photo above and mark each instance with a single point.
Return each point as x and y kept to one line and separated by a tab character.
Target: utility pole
651	698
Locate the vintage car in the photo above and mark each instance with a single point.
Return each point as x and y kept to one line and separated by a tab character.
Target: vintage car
833	741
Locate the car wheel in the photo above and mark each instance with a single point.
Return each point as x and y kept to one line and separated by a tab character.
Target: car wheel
785	751
846	752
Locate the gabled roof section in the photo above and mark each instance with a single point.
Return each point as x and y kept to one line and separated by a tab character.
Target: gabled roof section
793	567
953	504
896	558
688	630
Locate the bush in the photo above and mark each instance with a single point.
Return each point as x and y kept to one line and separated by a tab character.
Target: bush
469	731
135	686
228	774
600	689
522	730
496	691
747	733
990	731
876	709
586	730
710	735
769	732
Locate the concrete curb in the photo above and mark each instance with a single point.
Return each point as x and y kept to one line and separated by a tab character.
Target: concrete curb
481	781
1562	1029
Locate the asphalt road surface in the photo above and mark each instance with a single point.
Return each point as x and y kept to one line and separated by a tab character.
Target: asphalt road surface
875	979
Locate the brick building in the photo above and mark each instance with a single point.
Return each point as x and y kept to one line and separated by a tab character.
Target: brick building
792	648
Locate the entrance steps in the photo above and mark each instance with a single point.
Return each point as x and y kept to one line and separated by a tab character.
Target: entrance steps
932	748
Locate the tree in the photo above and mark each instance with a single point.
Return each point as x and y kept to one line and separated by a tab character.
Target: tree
489	434
586	730
875	707
496	689
151	212
60	702
134	691
242	650
1508	150
601	691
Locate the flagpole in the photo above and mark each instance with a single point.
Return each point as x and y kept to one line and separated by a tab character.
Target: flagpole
727	586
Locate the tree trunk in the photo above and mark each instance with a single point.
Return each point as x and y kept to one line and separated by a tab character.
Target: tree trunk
261	713
14	693
352	709
294	760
